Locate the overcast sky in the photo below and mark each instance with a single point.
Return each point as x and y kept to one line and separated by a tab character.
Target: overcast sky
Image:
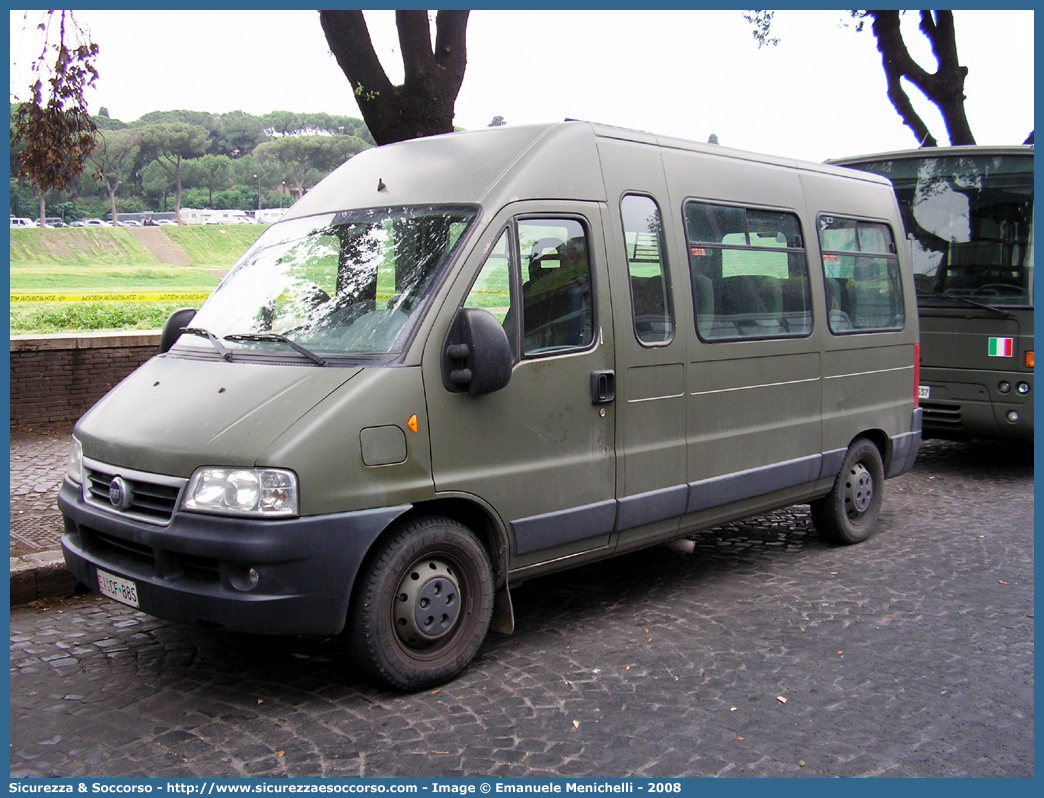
819	94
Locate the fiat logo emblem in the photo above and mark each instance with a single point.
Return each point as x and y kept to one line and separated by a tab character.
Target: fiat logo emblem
119	493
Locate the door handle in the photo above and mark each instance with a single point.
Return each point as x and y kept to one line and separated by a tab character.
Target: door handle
603	387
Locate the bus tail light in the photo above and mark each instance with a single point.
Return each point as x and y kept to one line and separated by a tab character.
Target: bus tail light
917	375
1029	359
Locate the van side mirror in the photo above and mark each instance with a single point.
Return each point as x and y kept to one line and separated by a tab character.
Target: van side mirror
172	327
476	355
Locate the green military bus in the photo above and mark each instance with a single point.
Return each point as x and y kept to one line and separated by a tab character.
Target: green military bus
968	213
465	361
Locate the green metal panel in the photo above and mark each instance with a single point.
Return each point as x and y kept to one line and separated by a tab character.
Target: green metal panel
537	451
173	415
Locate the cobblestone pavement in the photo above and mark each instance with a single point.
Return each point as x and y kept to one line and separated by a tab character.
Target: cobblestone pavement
764	652
38	458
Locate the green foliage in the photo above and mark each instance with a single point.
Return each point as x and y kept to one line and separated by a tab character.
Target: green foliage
74	277
219	141
36	319
209	246
95	246
213	245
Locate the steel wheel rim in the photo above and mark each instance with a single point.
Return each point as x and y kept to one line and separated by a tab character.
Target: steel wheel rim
859	491
427	603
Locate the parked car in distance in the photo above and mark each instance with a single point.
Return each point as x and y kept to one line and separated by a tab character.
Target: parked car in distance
96	223
129	223
21	223
166	223
54	222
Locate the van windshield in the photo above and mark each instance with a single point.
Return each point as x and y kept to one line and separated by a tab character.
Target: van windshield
349	283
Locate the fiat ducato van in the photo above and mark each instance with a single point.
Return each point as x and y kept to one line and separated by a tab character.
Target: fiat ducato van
465	361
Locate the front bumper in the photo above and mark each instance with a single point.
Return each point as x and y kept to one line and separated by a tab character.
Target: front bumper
195	568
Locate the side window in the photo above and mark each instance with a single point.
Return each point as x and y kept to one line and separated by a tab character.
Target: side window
749	273
491	290
651	304
557	306
864	290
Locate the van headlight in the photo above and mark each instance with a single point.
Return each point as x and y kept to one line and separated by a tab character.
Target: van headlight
74	467
257	492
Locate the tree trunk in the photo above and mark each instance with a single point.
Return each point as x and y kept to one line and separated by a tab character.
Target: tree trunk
177	191
423	104
43	208
944	87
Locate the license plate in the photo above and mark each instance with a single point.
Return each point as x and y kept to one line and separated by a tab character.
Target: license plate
118	588
924	391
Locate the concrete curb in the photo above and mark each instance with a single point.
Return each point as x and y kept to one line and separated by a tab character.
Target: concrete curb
41	575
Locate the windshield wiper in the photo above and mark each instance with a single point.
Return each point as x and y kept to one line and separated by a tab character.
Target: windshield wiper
210	337
981	305
277	337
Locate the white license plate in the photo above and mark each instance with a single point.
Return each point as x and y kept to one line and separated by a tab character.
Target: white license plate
118	588
924	391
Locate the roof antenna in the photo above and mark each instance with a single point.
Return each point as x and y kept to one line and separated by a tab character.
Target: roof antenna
380	185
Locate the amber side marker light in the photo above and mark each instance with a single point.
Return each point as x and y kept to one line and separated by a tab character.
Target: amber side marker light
1029	359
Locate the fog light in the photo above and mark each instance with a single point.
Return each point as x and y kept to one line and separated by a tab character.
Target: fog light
1003	386
1013	416
1023	388
243	578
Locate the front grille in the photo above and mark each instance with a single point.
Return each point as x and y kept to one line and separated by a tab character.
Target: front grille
198	569
116	551
939	414
152	497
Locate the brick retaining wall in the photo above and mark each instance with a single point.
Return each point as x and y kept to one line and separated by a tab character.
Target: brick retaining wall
55	379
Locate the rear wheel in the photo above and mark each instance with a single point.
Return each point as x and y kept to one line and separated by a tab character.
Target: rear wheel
423	605
848	514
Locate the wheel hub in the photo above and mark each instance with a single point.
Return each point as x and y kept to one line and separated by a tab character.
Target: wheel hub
859	490
427	603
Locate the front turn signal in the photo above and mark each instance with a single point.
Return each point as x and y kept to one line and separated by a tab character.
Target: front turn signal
1029	359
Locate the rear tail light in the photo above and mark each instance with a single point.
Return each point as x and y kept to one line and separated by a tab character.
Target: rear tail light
1029	359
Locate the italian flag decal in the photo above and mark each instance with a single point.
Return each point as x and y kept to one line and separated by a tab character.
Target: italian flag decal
1001	347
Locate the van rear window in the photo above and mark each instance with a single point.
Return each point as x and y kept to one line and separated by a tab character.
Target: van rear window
864	291
749	272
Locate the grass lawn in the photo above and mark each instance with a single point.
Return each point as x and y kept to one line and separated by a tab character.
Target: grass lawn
155	276
110	260
215	246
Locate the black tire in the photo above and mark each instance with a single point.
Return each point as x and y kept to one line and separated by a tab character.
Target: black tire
423	605
848	514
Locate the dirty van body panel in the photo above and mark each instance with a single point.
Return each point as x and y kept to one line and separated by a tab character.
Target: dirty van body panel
753	399
174	414
868	377
526	162
651	311
538	451
864	386
358	449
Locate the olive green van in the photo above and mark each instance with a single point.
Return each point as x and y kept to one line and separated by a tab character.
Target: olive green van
467	360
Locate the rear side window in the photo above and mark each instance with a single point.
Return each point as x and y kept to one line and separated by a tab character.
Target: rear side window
864	292
651	305
749	272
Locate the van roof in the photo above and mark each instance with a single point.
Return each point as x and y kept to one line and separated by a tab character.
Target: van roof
494	166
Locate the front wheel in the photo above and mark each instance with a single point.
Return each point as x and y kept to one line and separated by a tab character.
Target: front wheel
423	605
848	514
